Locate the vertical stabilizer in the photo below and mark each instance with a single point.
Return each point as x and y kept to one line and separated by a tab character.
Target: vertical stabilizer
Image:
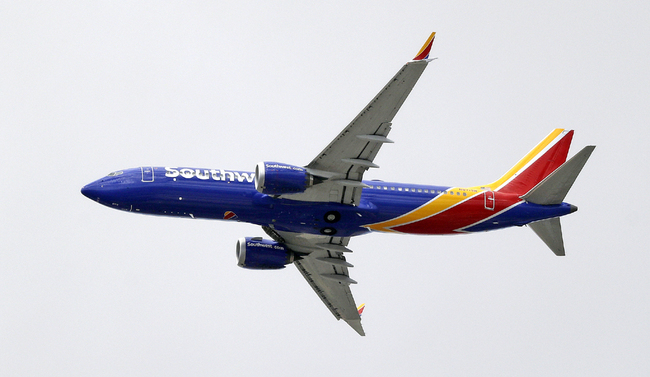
541	161
550	231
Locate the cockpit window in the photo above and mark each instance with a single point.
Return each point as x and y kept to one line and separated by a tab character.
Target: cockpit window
113	174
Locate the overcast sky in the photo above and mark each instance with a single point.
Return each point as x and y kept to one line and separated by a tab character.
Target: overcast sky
87	88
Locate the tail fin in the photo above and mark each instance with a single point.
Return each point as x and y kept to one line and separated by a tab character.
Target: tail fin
544	177
553	190
541	161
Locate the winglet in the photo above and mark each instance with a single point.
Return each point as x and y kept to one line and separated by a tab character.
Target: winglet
360	309
424	52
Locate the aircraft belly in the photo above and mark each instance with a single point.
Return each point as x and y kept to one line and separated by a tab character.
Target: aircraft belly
210	200
312	218
519	215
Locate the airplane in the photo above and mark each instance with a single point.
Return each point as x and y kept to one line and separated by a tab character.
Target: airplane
311	212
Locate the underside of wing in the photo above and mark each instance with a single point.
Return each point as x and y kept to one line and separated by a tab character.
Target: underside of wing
325	268
330	281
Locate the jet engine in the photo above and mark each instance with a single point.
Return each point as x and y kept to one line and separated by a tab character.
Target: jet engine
274	178
259	254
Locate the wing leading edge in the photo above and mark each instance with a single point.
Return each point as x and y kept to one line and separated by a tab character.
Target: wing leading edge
342	165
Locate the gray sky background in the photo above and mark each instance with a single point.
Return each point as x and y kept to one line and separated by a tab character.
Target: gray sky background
88	88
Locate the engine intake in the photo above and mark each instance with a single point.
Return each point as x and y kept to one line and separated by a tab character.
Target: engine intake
259	254
275	178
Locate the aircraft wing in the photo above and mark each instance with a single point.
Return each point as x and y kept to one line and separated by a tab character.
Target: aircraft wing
341	166
344	161
326	270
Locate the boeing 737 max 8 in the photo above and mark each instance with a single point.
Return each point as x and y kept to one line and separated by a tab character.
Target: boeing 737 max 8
310	212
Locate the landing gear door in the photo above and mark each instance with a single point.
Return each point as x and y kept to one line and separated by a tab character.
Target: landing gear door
147	173
489	200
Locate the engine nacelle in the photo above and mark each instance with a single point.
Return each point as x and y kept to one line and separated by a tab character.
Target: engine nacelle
274	178
260	254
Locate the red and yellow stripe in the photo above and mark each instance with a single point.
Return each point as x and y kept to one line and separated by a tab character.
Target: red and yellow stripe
452	210
424	51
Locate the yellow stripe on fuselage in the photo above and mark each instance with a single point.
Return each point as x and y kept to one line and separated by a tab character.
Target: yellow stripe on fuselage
446	200
436	205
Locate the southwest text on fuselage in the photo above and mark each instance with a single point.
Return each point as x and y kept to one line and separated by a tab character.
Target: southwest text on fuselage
206	174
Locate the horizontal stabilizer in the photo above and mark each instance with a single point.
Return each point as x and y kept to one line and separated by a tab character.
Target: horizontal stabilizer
553	189
550	231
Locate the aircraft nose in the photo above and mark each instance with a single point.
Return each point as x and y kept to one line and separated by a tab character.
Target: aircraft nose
91	191
114	188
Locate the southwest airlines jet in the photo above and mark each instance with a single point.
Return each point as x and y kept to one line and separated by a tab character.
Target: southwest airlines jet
310	212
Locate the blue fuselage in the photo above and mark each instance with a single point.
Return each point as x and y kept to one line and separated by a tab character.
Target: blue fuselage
231	195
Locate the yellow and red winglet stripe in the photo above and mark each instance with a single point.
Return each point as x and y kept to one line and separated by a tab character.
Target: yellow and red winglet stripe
360	308
424	51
